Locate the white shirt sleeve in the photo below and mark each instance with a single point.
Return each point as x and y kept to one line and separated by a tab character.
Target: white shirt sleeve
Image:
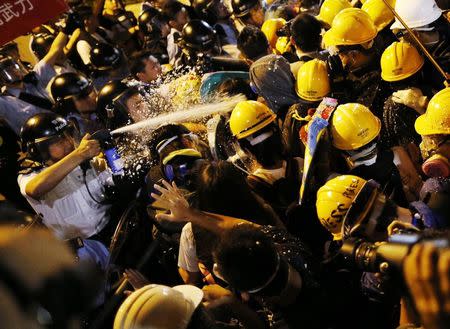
84	50
187	254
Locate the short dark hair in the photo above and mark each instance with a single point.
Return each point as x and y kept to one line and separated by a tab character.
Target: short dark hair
236	86
252	43
246	257
306	32
162	133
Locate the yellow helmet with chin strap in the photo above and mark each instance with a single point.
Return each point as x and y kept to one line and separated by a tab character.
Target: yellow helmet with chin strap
313	83
352	26
400	61
353	126
248	117
330	8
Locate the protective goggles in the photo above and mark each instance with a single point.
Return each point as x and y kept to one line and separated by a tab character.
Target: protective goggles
11	71
178	164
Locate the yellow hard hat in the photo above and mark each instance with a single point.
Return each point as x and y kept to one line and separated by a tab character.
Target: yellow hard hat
313	83
330	8
399	61
353	126
248	117
436	120
270	28
283	45
336	198
381	15
352	26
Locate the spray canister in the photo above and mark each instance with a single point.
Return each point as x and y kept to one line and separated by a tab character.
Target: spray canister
113	159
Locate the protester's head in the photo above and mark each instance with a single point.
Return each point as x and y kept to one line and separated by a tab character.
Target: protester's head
236	86
330	8
424	18
351	206
306	33
145	67
47	138
222	188
352	26
253	125
247	259
313	82
72	92
272	79
381	15
252	43
400	61
434	127
159	307
355	131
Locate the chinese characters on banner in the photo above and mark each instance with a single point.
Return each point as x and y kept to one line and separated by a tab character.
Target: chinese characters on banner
18	17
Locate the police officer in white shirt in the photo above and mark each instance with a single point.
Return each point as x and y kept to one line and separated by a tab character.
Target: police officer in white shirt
71	200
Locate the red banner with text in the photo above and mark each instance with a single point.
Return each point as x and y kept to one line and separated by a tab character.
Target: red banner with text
18	17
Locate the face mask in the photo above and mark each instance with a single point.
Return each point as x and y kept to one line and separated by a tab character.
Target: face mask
436	166
366	157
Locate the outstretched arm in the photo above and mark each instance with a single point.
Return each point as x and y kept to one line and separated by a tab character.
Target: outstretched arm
172	199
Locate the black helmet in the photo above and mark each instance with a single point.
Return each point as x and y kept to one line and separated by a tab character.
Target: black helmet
145	19
38	131
11	71
41	44
68	85
243	7
105	57
111	107
202	8
198	35
126	19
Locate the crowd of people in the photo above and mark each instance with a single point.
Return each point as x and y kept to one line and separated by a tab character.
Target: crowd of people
319	200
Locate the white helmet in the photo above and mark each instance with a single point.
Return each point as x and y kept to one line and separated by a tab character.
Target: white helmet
158	307
416	13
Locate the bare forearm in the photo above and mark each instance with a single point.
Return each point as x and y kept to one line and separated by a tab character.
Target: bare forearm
48	178
56	49
214	222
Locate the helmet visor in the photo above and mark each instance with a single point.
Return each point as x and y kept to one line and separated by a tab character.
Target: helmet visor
11	72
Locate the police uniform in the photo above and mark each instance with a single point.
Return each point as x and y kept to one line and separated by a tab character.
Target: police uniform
68	209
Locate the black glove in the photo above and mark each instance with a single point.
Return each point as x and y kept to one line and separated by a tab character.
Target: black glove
71	23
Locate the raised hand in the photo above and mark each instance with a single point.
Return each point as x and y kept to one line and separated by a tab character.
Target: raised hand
173	200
